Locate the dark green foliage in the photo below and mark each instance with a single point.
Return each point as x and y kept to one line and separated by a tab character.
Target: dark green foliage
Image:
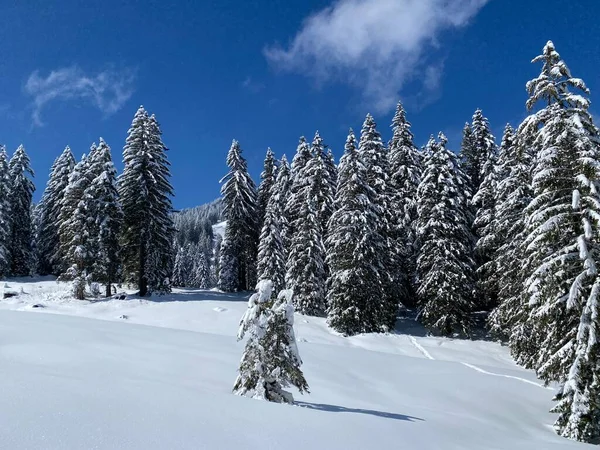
375	159
267	180
145	193
240	246
444	266
405	174
49	211
271	361
21	190
271	250
355	291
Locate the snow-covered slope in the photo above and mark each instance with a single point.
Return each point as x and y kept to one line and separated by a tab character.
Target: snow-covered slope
74	382
219	228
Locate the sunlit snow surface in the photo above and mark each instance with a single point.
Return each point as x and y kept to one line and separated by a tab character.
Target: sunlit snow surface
71	382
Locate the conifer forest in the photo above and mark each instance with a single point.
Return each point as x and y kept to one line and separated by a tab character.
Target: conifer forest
495	236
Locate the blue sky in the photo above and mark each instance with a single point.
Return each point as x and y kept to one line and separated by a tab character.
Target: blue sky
266	72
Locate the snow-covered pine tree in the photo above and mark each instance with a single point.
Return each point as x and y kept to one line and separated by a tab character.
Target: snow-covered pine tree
469	158
73	223
201	270
296	195
332	171
444	266
562	269
181	268
49	211
354	289
145	193
5	217
78	254
104	218
283	189
578	403
319	173
162	230
513	194
239	248
271	361
405	174
375	159
483	188
305	274
487	237
572	130
271	251
21	190
267	180
308	204
478	144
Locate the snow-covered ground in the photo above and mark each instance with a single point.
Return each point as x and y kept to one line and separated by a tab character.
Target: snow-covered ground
71	382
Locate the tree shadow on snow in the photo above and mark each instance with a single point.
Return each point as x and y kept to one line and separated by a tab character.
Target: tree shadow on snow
370	412
198	295
408	324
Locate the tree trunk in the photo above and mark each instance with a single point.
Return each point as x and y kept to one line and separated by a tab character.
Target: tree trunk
108	289
142	282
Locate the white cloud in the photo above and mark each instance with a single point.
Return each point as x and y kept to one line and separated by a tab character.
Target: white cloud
252	86
377	45
107	90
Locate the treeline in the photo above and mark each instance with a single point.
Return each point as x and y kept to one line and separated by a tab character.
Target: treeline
91	227
512	229
196	246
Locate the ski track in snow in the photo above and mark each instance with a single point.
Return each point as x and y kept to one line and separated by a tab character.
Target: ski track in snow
478	369
419	347
427	355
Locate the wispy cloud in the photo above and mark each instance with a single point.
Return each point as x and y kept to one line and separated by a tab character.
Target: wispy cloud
251	85
107	90
377	45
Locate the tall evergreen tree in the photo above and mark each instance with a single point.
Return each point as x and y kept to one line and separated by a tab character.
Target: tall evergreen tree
319	174
5	216
563	265
182	267
49	211
162	230
271	251
201	270
405	174
332	171
578	403
238	252
267	180
297	194
145	193
305	208
104	218
469	158
355	291
513	194
374	156
20	194
552	266
72	227
305	274
484	225
444	266
477	147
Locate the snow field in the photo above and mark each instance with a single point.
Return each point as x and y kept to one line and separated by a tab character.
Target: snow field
72	382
